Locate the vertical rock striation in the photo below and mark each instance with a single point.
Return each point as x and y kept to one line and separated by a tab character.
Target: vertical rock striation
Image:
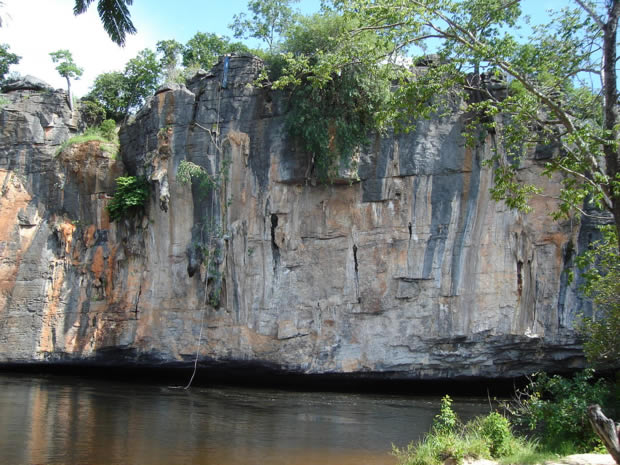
407	269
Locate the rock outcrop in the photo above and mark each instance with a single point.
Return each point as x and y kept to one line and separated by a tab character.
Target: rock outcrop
406	269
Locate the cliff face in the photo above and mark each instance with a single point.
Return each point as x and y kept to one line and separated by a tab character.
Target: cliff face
408	268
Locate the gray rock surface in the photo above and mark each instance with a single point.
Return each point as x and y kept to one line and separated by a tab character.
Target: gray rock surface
412	271
27	82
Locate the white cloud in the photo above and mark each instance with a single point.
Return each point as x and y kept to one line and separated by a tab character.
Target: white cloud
37	27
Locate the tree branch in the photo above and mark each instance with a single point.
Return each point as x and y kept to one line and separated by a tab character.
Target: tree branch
591	13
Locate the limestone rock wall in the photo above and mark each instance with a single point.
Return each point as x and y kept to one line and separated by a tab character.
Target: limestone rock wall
408	268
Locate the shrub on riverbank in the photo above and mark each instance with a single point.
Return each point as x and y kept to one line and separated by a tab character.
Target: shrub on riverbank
488	437
554	409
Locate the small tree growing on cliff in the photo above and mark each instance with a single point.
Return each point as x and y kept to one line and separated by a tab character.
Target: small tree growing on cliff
67	69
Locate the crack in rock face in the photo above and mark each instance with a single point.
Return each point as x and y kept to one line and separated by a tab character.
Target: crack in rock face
406	269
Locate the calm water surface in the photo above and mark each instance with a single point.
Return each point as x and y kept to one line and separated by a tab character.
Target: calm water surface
49	420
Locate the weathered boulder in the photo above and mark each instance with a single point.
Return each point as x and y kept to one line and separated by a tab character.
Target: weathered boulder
27	82
407	269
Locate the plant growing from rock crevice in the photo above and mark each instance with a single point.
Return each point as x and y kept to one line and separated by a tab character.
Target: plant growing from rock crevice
129	198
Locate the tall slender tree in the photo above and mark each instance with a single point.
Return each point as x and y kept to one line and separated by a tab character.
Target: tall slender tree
67	69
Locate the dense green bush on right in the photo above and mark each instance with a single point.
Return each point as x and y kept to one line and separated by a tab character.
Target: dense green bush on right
554	408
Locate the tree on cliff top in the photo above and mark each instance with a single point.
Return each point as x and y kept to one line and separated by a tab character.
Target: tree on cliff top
114	16
270	20
122	92
67	69
562	88
6	60
204	48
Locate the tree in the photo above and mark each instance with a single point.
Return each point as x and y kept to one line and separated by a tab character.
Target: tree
109	90
203	49
270	19
562	91
67	69
114	16
6	60
602	284
170	51
142	76
120	93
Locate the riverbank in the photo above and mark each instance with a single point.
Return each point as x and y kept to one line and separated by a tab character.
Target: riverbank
576	459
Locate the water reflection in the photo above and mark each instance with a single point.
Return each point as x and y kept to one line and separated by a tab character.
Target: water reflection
69	421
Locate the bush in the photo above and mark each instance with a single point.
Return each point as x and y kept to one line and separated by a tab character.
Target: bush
330	115
446	421
496	431
129	197
93	113
483	437
555	409
601	270
108	129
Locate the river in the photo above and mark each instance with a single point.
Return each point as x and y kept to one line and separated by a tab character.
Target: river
74	421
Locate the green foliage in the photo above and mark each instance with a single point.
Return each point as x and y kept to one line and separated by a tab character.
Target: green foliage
114	16
66	66
496	429
170	51
104	133
446	421
601	270
109	90
270	19
108	129
6	60
129	198
93	113
555	409
123	92
188	171
484	437
330	114
203	49
141	76
559	93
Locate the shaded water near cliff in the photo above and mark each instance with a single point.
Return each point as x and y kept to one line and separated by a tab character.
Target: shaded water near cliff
57	420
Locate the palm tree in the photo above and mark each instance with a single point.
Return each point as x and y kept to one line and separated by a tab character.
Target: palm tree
114	15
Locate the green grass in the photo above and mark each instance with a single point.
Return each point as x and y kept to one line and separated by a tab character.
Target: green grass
486	437
107	137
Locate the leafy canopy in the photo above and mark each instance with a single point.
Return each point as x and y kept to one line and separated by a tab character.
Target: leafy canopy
67	68
123	92
203	49
114	16
331	114
6	60
602	284
559	92
270	20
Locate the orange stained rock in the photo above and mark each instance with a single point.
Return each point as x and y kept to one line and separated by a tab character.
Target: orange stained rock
67	230
98	264
109	272
89	236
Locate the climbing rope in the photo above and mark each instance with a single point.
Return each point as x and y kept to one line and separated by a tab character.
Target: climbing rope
209	247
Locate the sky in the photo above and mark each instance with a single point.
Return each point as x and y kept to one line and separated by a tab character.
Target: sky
35	28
